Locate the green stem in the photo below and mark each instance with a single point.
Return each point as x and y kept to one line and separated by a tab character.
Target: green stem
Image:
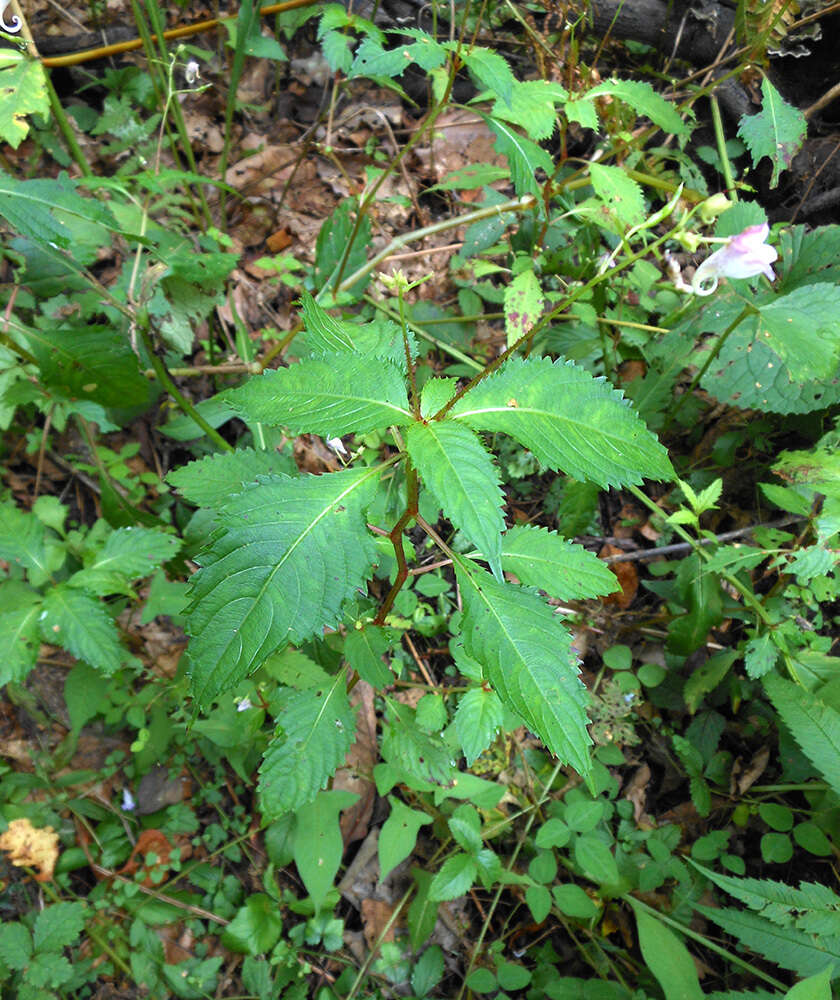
523	204
357	982
720	139
66	128
715	351
184	404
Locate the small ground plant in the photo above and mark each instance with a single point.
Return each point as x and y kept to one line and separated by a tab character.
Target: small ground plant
361	689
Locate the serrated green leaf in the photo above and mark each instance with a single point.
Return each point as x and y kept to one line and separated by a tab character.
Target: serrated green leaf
316	728
23	91
455	878
644	100
524	157
318	842
58	926
491	70
776	131
619	192
128	554
527	656
81	625
541	558
760	655
809	257
398	835
524	303
378	339
814	725
364	649
568	419
786	946
803	330
667	958
407	746
454	465
287	555
210	481
19	634
477	720
331	396
255	928
532	106
16	945
323	332
24	541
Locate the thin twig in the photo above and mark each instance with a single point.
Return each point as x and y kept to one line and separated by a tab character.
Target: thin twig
679	547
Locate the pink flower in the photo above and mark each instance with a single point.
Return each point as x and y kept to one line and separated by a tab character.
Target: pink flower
743	256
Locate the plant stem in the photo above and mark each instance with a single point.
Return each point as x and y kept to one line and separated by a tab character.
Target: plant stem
395	535
185	405
720	139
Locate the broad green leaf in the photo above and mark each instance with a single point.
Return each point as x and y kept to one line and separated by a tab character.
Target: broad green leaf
786	946
58	926
470	178
398	835
315	729
574	902
454	465
803	329
20	608
255	928
595	859
24	541
568	419
16	945
372	60
429	968
527	657
423	911
323	332
541	558
319	844
814	725
809	257
330	396
216	411
128	554
477	720
84	695
618	191
776	131
491	70
455	878
364	649
287	555
90	363
667	958
524	303
816	987
23	91
81	625
645	101
407	746
524	156
532	106
210	481
379	339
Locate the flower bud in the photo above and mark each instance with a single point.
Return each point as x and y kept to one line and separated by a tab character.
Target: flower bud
712	207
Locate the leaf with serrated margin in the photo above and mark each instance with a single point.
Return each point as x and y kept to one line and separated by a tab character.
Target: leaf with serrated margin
454	465
477	720
541	558
568	419
644	100
19	635
23	91
787	947
81	625
527	656
128	554
287	554
620	193
210	481
331	396
814	725
491	70
23	541
776	131
364	649
315	729
323	332
524	157
533	106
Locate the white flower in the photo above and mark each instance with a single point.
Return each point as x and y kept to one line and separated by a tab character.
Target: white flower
192	72
336	445
244	705
743	256
128	803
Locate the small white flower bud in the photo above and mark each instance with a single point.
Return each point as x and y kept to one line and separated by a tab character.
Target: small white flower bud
192	72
